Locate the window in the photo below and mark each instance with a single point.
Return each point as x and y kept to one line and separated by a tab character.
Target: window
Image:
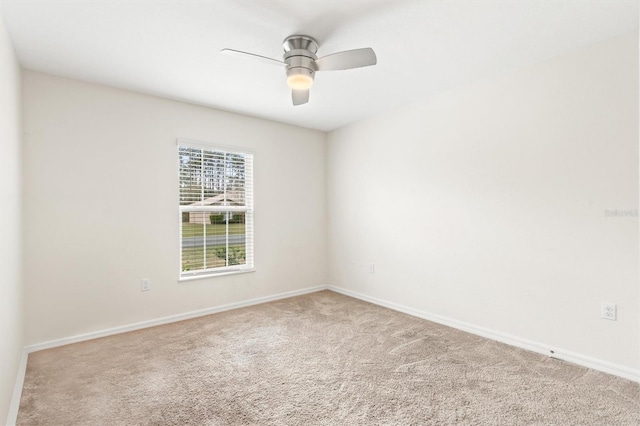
216	210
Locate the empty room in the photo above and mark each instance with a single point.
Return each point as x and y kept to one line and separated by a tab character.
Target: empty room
359	212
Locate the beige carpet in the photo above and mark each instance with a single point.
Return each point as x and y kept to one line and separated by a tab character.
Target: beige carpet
319	359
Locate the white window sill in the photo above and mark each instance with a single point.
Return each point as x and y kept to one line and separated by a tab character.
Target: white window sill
215	274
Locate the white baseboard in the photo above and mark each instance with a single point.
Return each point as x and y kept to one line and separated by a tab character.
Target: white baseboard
12	416
169	319
565	355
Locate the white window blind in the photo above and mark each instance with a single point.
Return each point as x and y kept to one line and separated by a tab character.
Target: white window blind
216	210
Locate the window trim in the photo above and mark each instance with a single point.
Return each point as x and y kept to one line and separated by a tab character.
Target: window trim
217	274
223	270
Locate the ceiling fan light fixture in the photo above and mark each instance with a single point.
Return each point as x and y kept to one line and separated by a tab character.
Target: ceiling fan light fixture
300	78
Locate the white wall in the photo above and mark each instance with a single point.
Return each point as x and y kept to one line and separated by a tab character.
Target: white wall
11	324
487	204
100	172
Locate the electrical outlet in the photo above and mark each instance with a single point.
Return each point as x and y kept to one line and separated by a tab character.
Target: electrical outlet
145	284
609	311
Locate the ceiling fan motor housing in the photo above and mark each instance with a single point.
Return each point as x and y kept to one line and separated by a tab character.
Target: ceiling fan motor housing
300	55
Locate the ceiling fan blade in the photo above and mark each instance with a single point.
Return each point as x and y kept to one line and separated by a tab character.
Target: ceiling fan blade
300	96
348	59
246	55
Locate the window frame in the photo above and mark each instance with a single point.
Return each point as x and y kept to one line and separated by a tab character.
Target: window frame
248	209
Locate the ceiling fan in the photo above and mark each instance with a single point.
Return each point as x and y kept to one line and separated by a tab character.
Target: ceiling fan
302	63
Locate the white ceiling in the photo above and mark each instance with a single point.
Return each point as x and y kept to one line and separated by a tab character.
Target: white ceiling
171	48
